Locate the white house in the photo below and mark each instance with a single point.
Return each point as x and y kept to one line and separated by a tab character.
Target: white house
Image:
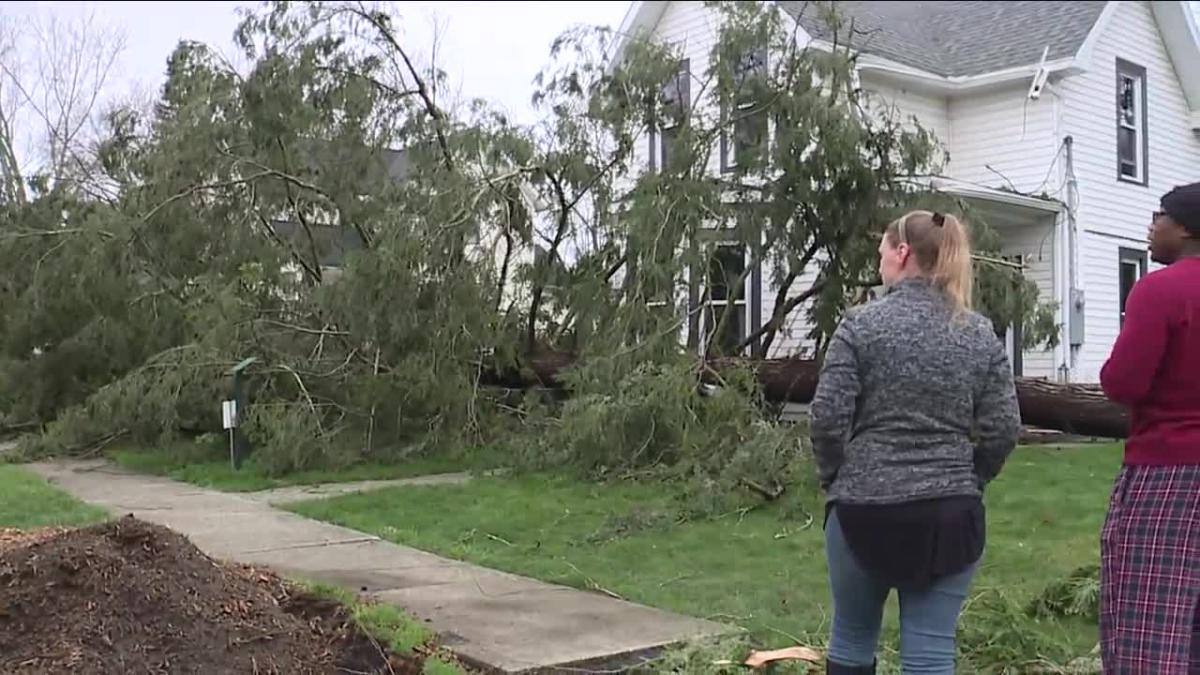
1064	122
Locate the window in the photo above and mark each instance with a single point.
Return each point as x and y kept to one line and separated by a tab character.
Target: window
744	109
1132	143
725	318
1131	267
676	100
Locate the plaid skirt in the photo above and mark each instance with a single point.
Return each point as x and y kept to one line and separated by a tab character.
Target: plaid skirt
1150	573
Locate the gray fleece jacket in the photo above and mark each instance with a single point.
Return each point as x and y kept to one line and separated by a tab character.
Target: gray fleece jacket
912	403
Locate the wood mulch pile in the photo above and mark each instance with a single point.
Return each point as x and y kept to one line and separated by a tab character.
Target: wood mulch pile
132	597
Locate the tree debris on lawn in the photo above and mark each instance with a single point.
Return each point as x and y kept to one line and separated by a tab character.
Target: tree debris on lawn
128	596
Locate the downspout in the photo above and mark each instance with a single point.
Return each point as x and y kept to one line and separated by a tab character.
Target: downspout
1062	291
1075	297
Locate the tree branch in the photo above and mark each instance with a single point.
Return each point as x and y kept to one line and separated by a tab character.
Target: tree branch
201	188
382	86
560	232
380	22
308	233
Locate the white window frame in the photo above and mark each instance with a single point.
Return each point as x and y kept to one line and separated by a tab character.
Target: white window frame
1129	73
714	308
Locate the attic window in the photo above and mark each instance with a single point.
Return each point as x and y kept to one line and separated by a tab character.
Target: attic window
1132	142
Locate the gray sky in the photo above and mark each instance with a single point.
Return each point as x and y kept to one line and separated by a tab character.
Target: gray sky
489	50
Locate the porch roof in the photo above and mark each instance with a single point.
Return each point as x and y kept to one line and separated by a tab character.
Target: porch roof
965	190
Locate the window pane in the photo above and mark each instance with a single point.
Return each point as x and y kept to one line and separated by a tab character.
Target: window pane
725	268
665	151
1129	275
1128	100
1127	150
750	65
676	90
749	134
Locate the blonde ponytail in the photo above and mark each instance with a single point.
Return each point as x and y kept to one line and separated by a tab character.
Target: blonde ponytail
953	272
942	250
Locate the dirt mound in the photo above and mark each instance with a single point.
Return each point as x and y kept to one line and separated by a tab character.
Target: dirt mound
131	597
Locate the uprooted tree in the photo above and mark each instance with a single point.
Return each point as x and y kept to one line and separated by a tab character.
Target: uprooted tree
468	246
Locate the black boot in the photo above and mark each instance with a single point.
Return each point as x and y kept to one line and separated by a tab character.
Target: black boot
834	668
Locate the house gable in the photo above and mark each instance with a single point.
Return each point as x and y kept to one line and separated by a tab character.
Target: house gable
1180	32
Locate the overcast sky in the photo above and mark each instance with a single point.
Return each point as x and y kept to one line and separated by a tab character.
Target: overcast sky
490	50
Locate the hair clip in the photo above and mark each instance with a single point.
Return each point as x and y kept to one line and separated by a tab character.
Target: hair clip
938	219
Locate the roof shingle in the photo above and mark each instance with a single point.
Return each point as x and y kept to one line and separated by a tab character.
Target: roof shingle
957	38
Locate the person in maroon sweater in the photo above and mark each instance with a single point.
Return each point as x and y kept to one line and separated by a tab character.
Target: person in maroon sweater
1150	544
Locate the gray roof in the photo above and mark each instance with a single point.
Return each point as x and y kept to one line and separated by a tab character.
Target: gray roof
333	242
958	38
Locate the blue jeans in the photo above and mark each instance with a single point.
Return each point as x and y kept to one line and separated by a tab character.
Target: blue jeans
928	618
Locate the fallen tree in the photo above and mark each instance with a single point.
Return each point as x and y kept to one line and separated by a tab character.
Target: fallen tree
1072	408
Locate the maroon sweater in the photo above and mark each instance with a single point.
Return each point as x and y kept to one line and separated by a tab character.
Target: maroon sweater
1154	368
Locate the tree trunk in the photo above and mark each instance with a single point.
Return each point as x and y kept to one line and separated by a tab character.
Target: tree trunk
1072	408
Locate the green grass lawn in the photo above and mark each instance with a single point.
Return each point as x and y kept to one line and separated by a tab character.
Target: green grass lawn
27	501
396	631
206	468
760	570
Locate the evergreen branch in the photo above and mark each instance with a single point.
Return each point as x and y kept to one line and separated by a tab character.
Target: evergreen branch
303	329
382	86
27	234
202	187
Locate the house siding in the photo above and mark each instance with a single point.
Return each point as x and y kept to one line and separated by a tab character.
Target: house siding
932	111
1002	139
1111	213
792	339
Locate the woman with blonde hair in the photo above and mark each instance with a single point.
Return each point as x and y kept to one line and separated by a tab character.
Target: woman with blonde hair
915	412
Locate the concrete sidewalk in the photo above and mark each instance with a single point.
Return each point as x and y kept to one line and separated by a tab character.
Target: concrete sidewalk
490	619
